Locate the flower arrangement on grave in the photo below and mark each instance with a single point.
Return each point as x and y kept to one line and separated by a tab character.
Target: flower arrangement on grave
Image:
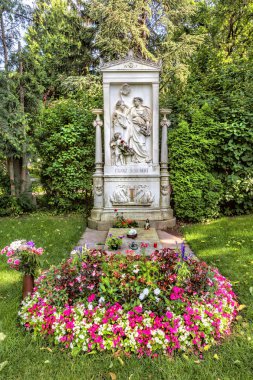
146	305
114	242
121	222
23	256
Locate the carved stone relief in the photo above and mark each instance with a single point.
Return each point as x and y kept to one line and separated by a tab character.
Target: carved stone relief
98	190
98	186
121	151
134	195
165	189
131	129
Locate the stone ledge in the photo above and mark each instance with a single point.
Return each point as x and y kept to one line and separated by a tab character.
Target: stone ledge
106	225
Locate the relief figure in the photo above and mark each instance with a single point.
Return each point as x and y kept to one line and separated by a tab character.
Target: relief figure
120	195
134	126
140	117
120	120
143	195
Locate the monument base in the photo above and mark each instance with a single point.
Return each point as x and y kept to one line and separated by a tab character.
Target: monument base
103	220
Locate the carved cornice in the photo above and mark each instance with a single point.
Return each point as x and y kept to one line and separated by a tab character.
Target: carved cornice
130	62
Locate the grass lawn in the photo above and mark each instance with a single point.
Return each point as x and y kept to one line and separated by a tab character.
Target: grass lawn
226	243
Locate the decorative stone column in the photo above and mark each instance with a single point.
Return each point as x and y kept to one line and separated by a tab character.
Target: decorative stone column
98	182
165	186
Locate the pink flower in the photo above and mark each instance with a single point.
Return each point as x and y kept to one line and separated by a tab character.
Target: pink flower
16	262
138	309
169	315
5	249
39	251
176	293
91	297
10	261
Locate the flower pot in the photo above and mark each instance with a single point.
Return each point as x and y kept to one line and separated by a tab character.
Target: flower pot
28	284
114	247
132	236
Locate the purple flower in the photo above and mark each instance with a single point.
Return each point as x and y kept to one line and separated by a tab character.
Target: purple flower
78	248
182	248
31	244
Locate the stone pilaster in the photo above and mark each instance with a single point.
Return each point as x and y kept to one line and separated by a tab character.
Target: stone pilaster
98	181
165	186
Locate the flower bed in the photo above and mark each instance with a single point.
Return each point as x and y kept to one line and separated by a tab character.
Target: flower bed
145	305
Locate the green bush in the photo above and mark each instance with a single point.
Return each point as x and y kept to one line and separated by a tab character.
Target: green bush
212	125
65	142
196	195
9	206
196	190
234	165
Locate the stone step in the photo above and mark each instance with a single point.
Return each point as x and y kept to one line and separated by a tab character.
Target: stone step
91	238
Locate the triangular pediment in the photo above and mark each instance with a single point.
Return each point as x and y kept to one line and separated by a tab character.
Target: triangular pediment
131	64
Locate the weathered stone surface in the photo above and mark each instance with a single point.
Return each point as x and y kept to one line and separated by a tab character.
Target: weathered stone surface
163	239
130	178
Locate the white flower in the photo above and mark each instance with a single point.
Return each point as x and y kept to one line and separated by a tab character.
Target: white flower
16	244
136	270
157	299
101	300
157	291
142	296
146	291
90	307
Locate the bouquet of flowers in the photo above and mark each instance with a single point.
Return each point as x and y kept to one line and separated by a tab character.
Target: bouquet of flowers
23	256
121	222
113	242
125	148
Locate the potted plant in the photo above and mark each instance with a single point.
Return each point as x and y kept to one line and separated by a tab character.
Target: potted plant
113	243
23	256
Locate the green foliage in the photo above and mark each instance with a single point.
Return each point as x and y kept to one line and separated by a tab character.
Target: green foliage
120	26
219	88
234	164
65	142
12	119
59	43
11	205
196	190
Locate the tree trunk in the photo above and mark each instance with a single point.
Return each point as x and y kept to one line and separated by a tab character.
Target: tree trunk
4	42
23	176
10	168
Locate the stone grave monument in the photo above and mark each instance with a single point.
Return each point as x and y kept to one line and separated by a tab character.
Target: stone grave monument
131	174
